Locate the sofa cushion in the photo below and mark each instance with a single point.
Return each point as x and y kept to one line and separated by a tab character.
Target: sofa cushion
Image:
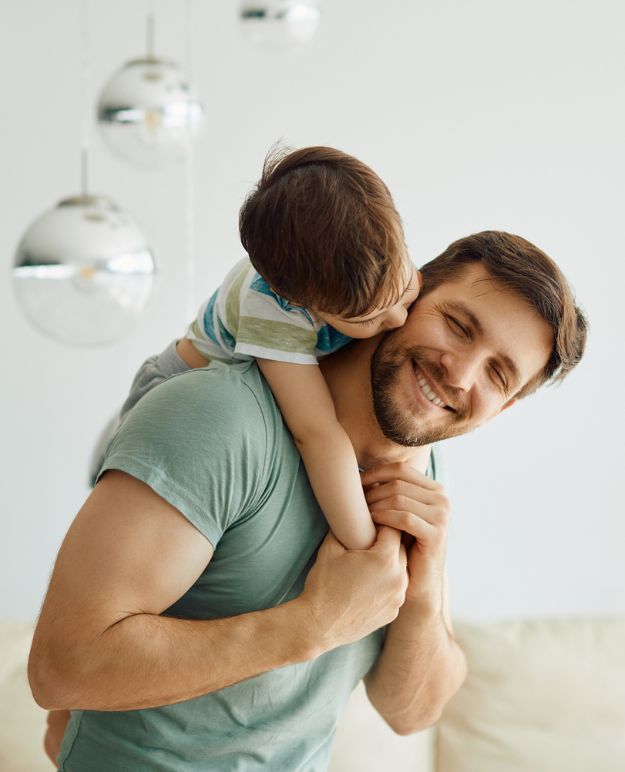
541	696
22	721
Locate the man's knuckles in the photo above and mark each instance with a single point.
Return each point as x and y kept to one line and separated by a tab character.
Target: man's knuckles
441	509
387	472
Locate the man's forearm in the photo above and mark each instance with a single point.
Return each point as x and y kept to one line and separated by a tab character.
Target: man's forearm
146	660
420	669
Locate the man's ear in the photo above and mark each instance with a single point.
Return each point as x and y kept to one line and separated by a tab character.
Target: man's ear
509	403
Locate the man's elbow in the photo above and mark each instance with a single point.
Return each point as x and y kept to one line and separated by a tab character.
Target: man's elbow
40	684
50	682
407	725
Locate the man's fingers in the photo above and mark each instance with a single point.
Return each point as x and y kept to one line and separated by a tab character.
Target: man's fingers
400	520
401	489
403	556
331	545
388	539
398	471
431	514
396	558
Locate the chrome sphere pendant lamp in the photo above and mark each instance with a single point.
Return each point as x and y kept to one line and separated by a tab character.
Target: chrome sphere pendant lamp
83	270
147	109
280	25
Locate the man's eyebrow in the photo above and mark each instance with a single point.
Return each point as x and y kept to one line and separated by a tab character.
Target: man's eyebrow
461	308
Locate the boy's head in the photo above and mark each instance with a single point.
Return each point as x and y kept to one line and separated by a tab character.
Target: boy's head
322	229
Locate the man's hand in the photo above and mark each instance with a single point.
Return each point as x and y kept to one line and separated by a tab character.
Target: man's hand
421	665
350	593
401	497
57	721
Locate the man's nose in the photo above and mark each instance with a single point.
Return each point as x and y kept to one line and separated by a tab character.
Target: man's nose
461	369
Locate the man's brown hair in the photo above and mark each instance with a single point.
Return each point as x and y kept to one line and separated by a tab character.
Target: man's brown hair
322	230
523	268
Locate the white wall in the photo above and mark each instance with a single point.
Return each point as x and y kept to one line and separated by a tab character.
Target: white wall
482	114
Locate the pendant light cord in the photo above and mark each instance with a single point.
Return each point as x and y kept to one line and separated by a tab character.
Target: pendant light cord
189	169
85	116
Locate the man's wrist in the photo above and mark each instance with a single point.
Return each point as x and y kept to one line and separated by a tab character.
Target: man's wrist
425	604
422	611
310	641
426	591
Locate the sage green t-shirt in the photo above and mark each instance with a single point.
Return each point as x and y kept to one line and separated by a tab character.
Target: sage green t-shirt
212	443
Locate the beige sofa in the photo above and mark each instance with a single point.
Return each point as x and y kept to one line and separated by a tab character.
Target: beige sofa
541	696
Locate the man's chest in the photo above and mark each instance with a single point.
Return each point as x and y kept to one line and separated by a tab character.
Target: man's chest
263	559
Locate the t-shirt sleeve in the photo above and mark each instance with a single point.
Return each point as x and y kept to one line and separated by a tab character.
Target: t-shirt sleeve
437	469
199	440
270	328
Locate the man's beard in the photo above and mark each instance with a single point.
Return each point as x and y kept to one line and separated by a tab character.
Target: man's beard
402	426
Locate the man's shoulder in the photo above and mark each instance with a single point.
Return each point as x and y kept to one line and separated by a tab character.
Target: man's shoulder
237	386
187	424
229	404
206	441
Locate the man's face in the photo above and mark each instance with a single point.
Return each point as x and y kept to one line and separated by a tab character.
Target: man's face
466	349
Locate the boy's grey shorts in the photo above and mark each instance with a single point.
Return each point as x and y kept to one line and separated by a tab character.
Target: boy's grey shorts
154	370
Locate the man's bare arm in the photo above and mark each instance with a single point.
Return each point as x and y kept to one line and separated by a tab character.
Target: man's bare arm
101	644
421	666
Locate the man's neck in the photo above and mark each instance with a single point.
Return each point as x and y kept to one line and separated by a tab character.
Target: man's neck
348	375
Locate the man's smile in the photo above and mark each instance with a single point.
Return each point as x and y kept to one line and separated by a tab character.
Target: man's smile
428	389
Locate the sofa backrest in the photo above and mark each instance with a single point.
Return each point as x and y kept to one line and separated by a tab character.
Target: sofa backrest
544	695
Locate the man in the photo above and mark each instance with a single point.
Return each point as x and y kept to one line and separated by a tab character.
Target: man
190	621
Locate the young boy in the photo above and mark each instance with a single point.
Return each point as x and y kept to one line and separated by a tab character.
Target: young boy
327	263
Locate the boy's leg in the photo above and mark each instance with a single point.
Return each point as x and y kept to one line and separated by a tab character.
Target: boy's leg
154	370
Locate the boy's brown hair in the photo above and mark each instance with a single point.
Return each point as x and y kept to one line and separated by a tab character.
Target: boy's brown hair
523	268
322	230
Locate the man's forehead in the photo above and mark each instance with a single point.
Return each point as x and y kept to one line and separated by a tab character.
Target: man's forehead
475	281
474	286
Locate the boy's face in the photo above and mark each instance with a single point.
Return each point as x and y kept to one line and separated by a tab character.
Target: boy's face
466	349
387	318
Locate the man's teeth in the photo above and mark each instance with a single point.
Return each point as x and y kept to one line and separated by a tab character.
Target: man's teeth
428	391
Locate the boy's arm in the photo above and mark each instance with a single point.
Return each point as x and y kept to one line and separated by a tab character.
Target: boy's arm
102	644
308	410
